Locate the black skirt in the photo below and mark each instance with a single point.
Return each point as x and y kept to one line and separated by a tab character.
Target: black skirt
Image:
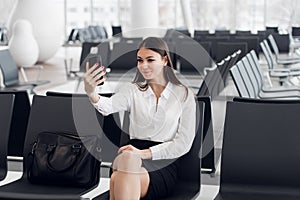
162	173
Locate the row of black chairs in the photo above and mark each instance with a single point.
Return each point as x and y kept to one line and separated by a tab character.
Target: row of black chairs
73	113
249	80
188	56
89	34
259	154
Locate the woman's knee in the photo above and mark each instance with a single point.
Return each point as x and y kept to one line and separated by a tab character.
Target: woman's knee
128	162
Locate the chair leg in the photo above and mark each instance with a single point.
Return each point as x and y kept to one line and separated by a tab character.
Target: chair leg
78	84
23	74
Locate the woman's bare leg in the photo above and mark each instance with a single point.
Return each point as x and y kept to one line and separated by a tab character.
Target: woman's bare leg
129	180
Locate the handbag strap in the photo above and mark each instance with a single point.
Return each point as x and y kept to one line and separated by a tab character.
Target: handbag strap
76	148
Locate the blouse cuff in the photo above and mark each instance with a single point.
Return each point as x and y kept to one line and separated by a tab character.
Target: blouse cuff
104	105
155	150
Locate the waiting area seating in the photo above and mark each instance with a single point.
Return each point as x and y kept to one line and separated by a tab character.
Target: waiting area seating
6	107
18	125
10	75
260	158
247	79
74	117
260	127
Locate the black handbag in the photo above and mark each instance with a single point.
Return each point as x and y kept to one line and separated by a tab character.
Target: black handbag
64	159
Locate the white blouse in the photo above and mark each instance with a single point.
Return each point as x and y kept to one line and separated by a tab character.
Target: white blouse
172	120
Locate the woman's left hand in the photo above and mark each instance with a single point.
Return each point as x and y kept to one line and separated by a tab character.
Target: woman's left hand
144	154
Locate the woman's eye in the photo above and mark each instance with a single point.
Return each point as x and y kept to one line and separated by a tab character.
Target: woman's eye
151	60
139	60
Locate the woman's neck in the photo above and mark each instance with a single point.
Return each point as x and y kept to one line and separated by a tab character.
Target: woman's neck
157	88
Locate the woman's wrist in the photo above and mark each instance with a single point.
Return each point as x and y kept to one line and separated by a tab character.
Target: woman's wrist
146	154
94	97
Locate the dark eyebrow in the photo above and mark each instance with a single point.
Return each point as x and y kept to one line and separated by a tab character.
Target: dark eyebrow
146	57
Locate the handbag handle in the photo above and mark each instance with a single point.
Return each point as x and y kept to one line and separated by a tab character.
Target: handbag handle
75	149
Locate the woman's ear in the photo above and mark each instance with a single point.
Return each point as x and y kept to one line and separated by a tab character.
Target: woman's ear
165	61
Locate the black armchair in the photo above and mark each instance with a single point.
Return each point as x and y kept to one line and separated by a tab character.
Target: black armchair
55	115
260	159
19	122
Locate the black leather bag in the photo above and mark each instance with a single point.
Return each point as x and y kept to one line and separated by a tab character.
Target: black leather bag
64	159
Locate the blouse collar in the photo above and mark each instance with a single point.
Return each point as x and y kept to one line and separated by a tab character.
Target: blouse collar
166	92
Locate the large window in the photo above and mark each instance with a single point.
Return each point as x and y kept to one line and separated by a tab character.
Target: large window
206	14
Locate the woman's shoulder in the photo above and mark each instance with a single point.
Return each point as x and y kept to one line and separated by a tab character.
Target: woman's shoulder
182	91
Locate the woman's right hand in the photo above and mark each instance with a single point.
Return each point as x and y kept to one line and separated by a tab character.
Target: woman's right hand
92	78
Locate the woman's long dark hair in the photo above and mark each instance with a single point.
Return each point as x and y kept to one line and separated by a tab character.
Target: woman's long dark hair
160	46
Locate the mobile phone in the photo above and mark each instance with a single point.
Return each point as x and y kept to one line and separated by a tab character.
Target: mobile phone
93	59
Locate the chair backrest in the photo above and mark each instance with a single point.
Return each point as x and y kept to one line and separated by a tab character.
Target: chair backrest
273	44
193	57
100	32
261	35
261	147
225	70
75	116
295	31
225	49
282	42
19	122
206	46
112	137
198	34
256	67
251	40
217	85
212	75
239	82
190	168
252	76
9	68
103	49
123	56
184	31
214	40
271	29
222	32
6	107
86	49
243	33
252	89
84	35
116	31
268	54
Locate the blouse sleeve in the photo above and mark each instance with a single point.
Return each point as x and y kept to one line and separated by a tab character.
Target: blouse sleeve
185	134
120	101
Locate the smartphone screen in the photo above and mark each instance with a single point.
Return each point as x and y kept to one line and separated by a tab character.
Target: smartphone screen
93	59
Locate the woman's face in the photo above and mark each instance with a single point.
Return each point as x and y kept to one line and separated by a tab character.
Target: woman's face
151	64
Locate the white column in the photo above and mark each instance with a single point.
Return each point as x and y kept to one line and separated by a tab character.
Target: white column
187	15
144	14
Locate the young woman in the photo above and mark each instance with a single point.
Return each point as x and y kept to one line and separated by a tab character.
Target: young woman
162	123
